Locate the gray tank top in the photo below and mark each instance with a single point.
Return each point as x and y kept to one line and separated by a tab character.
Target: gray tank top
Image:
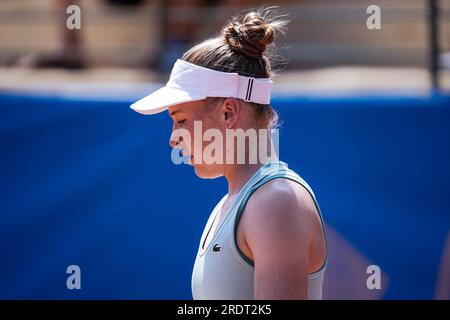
221	271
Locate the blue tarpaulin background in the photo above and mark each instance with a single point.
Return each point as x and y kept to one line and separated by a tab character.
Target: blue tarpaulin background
90	182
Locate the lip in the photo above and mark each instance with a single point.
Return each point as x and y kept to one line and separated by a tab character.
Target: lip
190	158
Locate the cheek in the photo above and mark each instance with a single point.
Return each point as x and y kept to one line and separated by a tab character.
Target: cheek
189	143
204	124
215	124
214	128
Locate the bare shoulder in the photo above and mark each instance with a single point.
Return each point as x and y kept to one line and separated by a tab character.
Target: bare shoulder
280	209
288	199
281	223
281	234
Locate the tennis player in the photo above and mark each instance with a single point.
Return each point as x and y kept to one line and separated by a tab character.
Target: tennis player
265	238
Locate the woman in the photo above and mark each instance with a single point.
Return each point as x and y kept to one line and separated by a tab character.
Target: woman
265	238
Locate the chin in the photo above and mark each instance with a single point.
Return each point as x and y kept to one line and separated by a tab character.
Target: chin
207	171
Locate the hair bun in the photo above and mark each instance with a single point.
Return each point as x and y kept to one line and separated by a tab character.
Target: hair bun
254	32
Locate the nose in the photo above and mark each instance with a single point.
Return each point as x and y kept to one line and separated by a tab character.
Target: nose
175	140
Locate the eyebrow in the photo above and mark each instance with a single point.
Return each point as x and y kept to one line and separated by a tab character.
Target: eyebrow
174	112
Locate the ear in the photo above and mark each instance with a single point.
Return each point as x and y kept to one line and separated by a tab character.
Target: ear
230	112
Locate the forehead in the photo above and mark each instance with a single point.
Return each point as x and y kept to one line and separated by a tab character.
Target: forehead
191	107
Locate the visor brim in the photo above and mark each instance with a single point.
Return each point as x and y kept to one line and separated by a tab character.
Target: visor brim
162	99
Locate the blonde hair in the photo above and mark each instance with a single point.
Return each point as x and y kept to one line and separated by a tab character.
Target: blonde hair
241	48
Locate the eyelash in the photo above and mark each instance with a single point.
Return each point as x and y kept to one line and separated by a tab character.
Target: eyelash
181	121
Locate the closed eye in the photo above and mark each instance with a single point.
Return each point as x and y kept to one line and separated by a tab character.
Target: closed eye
181	121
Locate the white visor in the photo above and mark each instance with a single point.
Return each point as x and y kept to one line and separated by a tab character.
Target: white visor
189	82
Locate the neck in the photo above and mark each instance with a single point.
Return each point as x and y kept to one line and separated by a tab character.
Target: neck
238	175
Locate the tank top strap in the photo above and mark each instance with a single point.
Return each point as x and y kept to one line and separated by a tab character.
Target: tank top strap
262	173
279	170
